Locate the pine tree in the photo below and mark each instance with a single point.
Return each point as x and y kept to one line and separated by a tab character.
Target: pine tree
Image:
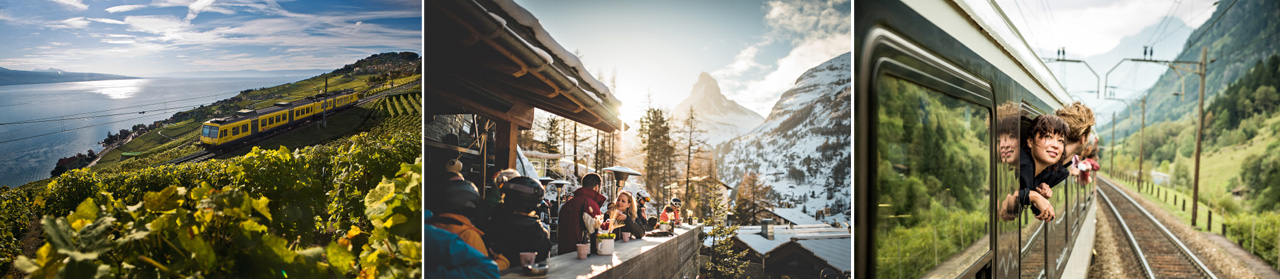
655	141
554	134
724	262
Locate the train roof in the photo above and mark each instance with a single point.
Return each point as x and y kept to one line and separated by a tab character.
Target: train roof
985	29
279	106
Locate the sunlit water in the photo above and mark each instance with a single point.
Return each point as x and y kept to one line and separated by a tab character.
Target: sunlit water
25	160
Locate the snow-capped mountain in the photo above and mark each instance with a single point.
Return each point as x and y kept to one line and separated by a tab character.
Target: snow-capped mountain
803	148
722	118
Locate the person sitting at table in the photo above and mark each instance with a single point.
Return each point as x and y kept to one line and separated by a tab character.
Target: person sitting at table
515	229
671	213
622	217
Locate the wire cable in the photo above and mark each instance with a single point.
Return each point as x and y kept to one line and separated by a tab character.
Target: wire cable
78	128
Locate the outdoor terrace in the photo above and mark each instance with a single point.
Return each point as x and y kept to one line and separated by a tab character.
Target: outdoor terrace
652	257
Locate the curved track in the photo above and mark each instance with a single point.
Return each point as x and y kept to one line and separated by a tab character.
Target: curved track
1161	254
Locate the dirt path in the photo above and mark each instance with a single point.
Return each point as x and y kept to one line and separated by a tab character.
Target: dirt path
108	149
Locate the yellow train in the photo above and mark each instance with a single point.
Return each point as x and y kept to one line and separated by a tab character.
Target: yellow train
219	133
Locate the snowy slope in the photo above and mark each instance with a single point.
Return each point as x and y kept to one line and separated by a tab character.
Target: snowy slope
802	149
723	119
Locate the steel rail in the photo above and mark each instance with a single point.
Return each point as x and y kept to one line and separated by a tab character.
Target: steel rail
1165	231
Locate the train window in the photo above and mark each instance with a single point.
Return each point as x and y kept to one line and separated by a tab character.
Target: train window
222	133
934	205
209	131
244	127
235	130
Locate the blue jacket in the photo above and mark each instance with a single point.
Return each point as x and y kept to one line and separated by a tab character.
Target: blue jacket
444	255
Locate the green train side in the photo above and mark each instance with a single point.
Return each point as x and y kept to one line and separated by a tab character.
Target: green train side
219	133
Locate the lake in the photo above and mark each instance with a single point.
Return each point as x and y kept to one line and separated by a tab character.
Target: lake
29	151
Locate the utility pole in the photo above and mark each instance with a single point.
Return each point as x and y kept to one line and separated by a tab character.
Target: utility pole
1142	137
1195	192
1141	131
1201	68
1113	140
324	104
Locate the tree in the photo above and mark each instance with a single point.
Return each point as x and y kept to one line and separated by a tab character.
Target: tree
553	134
655	141
724	262
753	200
693	150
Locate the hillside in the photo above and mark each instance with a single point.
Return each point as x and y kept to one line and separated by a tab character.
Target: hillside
14	77
1241	36
802	149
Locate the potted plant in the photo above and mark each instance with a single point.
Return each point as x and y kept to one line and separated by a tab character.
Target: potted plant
606	244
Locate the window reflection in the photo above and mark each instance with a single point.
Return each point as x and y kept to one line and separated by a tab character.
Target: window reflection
934	160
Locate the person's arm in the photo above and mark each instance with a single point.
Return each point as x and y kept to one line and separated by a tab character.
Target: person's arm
636	230
1046	209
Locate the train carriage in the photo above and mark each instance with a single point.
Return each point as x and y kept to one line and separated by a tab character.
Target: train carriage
941	87
251	124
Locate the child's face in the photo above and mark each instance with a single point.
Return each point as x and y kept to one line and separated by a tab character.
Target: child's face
1008	149
1047	149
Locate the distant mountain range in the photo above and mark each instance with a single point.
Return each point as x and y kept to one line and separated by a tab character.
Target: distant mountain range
721	118
51	75
247	73
1241	37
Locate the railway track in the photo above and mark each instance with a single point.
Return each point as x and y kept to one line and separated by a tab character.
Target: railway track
1161	254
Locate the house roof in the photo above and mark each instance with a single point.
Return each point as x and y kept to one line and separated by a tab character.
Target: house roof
794	215
750	235
834	249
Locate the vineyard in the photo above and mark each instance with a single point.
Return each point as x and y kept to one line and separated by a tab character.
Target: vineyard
401	104
346	208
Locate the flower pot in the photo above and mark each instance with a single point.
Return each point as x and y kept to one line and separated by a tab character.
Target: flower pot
606	247
626	237
583	250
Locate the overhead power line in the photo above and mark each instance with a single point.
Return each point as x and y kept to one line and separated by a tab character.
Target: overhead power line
83	127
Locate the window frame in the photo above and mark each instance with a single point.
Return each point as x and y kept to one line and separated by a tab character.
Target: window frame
886	53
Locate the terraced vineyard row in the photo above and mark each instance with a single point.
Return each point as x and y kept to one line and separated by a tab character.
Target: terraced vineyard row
401	104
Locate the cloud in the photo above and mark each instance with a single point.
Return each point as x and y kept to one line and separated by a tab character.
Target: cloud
744	61
70	23
106	20
74	5
815	30
124	8
195	8
1090	28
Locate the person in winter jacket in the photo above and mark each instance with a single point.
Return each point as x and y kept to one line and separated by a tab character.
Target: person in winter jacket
515	229
573	228
622	217
455	202
672	213
444	255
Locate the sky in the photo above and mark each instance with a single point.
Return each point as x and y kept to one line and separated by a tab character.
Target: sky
151	38
1092	29
754	49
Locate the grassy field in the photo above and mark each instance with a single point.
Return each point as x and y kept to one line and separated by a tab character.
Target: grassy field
150	141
